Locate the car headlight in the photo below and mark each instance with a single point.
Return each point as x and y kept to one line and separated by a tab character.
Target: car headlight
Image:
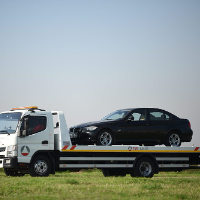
12	151
91	128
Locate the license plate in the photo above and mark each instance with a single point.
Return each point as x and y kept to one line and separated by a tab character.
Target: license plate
8	161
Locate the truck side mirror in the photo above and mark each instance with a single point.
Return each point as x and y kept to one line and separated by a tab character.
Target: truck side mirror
24	128
26	124
24	133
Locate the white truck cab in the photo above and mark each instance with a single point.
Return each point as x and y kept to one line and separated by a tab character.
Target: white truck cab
26	131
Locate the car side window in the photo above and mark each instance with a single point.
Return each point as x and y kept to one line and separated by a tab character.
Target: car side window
139	115
156	115
167	117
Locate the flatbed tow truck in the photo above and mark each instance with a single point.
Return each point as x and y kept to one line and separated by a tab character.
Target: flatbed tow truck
37	142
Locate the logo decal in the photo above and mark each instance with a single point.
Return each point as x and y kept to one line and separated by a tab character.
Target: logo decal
25	150
132	148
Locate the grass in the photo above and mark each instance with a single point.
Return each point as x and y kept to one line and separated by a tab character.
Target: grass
91	184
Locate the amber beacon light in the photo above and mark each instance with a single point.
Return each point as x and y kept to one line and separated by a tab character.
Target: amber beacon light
23	108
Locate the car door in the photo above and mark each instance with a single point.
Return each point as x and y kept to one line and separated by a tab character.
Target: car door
158	122
134	128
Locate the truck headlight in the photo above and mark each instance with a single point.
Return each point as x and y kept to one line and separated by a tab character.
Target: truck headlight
12	151
91	128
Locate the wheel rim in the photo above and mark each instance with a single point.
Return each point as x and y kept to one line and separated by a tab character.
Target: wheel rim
105	139
40	167
145	169
174	140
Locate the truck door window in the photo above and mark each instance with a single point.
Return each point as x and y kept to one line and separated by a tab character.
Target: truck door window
36	124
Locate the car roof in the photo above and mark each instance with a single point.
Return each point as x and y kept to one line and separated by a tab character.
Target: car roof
131	109
140	108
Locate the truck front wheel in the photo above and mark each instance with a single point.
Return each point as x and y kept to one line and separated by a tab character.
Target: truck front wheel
145	167
40	166
10	172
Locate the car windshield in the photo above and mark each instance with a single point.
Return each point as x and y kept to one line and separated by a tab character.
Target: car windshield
8	122
119	114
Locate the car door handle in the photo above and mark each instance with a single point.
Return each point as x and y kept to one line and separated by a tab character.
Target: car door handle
45	142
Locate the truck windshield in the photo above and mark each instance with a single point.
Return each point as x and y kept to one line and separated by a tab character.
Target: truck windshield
8	122
119	114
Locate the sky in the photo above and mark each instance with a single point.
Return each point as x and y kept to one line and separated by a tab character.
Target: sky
89	58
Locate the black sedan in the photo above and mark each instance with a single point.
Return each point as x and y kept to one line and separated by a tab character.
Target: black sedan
136	126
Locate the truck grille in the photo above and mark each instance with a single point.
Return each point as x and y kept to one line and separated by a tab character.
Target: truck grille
2	149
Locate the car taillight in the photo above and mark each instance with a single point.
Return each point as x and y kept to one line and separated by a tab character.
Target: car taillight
189	125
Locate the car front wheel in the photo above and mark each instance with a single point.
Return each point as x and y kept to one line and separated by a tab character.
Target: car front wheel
105	138
173	139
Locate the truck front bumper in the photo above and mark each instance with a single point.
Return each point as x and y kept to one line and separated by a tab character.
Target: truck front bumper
10	162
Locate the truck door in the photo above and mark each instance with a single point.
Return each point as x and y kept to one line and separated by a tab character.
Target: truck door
37	137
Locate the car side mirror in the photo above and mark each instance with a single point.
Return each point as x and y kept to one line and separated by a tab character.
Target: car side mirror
131	118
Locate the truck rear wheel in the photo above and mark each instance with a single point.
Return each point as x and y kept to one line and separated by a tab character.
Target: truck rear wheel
40	166
144	167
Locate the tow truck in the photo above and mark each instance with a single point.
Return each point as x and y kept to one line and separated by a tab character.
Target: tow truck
37	142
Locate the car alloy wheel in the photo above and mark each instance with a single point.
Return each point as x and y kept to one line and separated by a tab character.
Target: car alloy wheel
105	138
174	140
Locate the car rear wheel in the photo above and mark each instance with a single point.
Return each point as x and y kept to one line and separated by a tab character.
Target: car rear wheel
173	139
105	138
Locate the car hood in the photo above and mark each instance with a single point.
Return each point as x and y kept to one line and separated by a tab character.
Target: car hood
95	123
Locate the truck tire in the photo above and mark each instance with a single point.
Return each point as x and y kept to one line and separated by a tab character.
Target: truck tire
105	138
144	167
107	172
173	139
40	166
113	172
10	172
